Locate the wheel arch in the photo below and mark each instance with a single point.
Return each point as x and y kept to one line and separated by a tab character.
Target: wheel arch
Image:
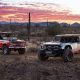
4	45
68	46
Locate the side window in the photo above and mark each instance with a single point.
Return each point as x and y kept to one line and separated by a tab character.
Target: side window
79	38
76	39
1	37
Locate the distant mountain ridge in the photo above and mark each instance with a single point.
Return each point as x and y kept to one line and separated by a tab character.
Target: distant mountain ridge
42	24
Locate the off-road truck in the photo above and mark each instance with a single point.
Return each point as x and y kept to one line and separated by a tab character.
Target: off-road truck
64	45
9	42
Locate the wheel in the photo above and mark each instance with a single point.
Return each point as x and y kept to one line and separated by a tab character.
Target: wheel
68	55
5	50
21	51
42	56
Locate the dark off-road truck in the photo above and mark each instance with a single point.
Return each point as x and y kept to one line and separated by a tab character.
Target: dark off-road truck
64	45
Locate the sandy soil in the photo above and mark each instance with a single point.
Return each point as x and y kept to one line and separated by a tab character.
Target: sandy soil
28	67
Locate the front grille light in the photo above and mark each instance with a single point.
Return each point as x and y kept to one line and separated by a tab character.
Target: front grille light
43	47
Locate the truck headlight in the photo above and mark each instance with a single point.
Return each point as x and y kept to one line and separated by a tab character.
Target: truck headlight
43	46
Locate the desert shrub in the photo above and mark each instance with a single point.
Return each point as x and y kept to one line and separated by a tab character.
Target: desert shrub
32	49
51	31
22	35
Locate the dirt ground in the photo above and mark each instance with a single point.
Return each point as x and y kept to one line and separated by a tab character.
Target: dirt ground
28	67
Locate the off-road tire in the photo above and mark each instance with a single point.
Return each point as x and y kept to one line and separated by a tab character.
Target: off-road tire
5	50
21	51
68	55
42	56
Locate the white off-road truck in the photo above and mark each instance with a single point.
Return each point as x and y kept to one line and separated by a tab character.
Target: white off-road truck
64	45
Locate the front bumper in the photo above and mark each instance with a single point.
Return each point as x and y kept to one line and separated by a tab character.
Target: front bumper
16	47
53	52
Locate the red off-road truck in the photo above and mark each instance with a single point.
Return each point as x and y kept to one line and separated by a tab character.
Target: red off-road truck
9	42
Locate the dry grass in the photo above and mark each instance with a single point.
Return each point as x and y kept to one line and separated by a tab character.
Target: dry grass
32	47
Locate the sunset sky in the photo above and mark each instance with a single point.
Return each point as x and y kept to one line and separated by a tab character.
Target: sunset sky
41	10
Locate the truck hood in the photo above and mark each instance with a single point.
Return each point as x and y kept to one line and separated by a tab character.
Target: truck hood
5	41
51	43
20	40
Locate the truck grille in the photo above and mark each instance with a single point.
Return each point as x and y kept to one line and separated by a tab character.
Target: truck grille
52	47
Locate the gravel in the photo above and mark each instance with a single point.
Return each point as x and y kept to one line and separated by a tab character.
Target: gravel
28	67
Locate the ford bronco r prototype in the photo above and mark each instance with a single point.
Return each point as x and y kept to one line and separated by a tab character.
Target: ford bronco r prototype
9	42
64	45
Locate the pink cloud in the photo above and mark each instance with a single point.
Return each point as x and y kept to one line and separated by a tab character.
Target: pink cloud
21	13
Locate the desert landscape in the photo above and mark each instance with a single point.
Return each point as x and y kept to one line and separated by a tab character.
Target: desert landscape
34	22
29	67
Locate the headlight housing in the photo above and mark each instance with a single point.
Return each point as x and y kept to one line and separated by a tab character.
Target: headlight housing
43	46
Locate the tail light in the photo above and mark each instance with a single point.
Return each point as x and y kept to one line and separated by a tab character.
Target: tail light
23	44
12	44
18	44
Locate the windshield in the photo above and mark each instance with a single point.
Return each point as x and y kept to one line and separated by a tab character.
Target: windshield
10	38
67	39
57	39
